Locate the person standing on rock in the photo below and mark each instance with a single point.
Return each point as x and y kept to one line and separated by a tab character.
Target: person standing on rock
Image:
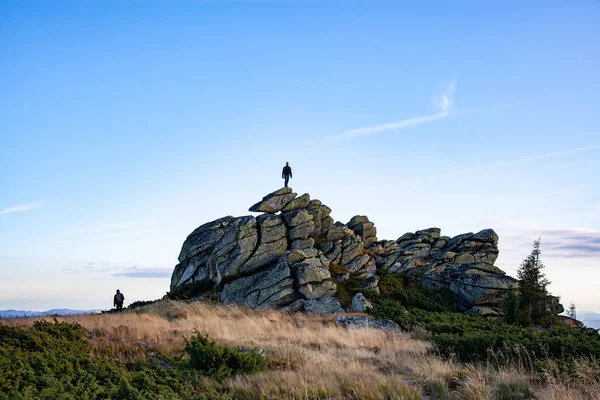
286	173
118	300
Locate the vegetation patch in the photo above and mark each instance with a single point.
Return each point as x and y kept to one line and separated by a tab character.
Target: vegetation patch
220	362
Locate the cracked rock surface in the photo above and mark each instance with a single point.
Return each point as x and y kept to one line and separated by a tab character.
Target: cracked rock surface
294	256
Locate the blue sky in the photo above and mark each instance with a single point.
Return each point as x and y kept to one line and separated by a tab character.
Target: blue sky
126	124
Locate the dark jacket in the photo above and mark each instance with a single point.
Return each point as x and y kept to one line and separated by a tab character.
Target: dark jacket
115	300
287	171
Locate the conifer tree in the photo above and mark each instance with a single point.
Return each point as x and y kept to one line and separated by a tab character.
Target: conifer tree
533	291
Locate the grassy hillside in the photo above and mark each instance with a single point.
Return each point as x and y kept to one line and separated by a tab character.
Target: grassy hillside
154	352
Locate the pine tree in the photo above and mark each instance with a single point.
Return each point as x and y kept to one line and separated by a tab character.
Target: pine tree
572	311
533	291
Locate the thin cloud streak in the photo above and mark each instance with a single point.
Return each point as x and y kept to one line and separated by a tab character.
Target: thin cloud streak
444	103
22	207
136	272
533	158
111	236
105	227
509	163
370	130
571	189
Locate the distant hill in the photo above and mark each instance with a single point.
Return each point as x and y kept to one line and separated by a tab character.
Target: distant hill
590	319
57	311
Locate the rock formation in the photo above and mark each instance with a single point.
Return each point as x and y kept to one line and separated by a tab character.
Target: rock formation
293	256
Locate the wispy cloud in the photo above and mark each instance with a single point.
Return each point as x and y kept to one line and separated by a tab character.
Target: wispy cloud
106	227
566	243
22	207
456	173
109	236
570	189
443	102
137	272
533	158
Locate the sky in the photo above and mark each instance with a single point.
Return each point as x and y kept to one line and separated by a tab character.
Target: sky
124	125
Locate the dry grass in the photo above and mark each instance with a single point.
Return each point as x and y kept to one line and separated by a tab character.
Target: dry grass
311	357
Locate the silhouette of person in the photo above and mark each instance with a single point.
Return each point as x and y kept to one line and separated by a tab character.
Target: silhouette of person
286	173
118	300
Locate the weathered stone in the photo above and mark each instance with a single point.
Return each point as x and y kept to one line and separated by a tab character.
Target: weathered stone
297	217
298	202
487	236
351	247
260	289
204	238
357	263
327	305
431	233
295	256
273	243
189	272
339	231
405	237
296	306
303	243
234	249
316	290
368	242
368	270
360	303
483	267
301	231
371	283
244	257
456	240
488	256
464	258
468	289
357	219
359	322
307	273
334	254
341	277
275	201
469	245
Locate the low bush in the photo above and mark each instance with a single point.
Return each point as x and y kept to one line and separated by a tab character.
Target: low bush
471	338
53	360
513	391
220	362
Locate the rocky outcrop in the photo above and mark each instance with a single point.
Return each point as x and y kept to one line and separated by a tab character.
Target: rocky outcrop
359	322
464	264
294	256
360	303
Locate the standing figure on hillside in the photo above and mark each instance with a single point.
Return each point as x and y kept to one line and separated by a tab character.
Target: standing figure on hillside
286	173
118	300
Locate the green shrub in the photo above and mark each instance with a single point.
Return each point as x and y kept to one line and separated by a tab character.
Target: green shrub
53	360
513	391
220	362
396	287
472	338
141	303
435	389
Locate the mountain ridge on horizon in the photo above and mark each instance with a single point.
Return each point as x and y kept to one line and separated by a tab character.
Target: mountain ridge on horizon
54	311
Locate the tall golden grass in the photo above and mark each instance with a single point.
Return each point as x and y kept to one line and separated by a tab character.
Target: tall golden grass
312	357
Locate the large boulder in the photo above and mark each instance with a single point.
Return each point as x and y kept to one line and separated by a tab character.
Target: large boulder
261	289
274	202
294	256
464	264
